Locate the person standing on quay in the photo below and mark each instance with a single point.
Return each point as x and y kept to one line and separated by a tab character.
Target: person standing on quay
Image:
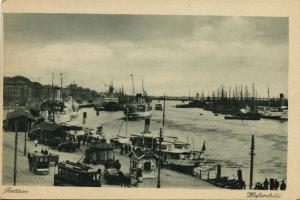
276	184
118	165
283	185
266	184
271	183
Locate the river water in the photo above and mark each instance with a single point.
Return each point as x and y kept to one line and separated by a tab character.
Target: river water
227	141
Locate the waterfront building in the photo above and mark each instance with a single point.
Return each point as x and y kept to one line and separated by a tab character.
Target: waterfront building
145	160
99	153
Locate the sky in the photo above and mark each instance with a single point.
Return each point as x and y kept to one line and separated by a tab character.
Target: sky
172	54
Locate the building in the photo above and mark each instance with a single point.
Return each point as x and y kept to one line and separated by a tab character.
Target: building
146	161
19	91
99	153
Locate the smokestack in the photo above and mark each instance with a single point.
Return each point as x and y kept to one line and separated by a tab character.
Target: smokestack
147	125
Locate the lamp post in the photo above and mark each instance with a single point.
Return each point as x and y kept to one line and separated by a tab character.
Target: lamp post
251	161
160	141
16	148
25	136
159	158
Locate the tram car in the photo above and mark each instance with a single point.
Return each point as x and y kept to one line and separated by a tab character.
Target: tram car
38	163
77	174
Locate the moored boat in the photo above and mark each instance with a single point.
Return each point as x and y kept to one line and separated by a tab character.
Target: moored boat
158	106
110	102
139	109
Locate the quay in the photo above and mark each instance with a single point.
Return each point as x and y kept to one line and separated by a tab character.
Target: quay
169	179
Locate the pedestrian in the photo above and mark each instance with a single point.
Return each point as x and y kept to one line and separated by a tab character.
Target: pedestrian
260	186
42	151
46	151
276	184
266	184
29	161
271	183
244	184
256	186
118	165
122	149
78	142
126	148
139	175
35	143
283	185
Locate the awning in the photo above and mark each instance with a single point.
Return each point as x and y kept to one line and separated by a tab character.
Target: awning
20	113
49	126
140	154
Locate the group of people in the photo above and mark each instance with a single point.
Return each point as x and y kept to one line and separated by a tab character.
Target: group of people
44	151
272	184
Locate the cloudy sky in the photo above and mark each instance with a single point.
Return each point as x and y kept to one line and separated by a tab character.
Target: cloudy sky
172	53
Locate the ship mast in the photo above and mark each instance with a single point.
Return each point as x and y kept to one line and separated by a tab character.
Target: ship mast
61	81
52	87
269	98
143	91
132	84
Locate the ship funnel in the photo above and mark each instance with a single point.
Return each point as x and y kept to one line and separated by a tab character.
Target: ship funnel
147	125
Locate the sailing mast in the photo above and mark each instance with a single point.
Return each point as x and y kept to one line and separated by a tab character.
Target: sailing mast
52	87
127	110
269	99
132	84
143	91
52	106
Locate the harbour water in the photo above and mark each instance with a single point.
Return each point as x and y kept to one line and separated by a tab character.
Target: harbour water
227	141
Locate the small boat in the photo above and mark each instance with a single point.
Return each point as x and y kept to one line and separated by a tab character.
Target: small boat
158	106
111	104
245	114
242	117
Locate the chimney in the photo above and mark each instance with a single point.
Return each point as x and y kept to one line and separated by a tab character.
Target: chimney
147	125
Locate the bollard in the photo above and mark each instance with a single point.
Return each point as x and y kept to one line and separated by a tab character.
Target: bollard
97	112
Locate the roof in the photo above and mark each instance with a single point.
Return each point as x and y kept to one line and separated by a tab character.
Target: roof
102	146
20	113
49	126
140	154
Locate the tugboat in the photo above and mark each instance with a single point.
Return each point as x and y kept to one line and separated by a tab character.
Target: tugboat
245	114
